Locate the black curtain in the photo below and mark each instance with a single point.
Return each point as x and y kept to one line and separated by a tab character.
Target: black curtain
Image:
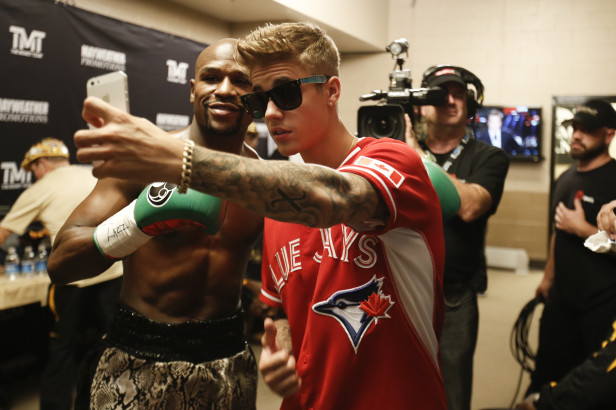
47	53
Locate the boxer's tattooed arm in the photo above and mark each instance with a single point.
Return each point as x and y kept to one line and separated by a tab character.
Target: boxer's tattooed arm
311	195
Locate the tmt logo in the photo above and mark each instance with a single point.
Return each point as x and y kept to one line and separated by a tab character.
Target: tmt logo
27	45
176	72
14	177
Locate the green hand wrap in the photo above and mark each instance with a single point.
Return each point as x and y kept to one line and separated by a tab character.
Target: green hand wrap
445	189
160	208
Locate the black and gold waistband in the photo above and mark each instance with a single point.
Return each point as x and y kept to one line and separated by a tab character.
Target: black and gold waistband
194	341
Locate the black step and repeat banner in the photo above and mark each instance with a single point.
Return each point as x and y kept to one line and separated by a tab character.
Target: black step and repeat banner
49	50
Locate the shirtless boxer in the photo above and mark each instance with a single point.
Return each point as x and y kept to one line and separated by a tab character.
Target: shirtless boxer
353	244
177	340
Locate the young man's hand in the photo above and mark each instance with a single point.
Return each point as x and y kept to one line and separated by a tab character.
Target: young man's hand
127	147
277	365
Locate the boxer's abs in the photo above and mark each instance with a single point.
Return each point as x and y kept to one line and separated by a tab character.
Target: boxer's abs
184	278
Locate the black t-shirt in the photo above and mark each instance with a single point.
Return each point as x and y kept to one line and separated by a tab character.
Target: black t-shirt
583	278
487	166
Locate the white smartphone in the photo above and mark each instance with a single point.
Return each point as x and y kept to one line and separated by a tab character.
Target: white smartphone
111	88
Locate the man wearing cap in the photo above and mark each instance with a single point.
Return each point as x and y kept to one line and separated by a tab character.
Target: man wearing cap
58	189
478	172
579	285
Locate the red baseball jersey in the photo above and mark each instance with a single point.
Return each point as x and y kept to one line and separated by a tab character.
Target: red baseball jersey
365	308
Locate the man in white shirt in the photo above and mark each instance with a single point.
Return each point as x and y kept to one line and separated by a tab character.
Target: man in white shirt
58	189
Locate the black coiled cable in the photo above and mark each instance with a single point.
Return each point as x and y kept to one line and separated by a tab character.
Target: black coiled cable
518	342
520	348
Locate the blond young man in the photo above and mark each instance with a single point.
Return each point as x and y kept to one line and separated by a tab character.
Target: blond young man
353	245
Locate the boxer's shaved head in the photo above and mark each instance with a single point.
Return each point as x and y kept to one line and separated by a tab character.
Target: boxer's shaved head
216	89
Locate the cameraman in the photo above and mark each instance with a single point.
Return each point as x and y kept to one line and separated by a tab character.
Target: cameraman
478	172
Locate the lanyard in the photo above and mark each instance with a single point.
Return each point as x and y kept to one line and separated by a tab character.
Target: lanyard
452	156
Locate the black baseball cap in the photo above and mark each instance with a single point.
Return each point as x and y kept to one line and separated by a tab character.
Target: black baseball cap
594	114
445	75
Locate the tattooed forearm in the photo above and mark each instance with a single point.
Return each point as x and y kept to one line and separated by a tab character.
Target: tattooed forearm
311	195
291	201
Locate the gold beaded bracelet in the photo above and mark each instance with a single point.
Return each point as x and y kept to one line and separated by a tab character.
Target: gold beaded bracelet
187	163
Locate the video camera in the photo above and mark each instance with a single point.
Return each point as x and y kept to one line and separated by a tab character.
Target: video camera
386	119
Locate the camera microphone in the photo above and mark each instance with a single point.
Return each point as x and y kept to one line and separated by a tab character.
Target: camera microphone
418	96
429	96
374	95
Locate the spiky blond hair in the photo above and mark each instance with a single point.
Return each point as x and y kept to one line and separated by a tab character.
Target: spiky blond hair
306	42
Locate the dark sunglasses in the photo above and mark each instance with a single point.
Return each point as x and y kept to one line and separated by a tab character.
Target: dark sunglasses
287	96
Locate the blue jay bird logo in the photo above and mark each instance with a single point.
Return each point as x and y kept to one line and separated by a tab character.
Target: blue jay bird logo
356	309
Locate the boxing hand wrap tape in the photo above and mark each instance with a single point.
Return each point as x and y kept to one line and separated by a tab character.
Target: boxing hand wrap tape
119	235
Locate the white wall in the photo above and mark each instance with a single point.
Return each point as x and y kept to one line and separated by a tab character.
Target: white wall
366	20
524	51
161	15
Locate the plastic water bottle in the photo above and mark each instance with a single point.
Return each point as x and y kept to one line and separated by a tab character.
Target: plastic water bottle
40	262
11	263
27	261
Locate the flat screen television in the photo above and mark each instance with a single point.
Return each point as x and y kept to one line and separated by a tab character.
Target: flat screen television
515	129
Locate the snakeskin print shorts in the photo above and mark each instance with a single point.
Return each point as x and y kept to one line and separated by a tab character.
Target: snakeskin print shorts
185	366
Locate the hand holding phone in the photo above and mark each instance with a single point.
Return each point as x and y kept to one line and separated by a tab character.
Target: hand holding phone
111	88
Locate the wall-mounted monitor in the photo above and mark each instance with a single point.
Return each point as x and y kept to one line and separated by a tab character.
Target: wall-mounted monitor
515	129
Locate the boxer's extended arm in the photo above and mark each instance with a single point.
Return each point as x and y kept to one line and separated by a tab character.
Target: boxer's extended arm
74	255
311	195
158	209
472	200
445	189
